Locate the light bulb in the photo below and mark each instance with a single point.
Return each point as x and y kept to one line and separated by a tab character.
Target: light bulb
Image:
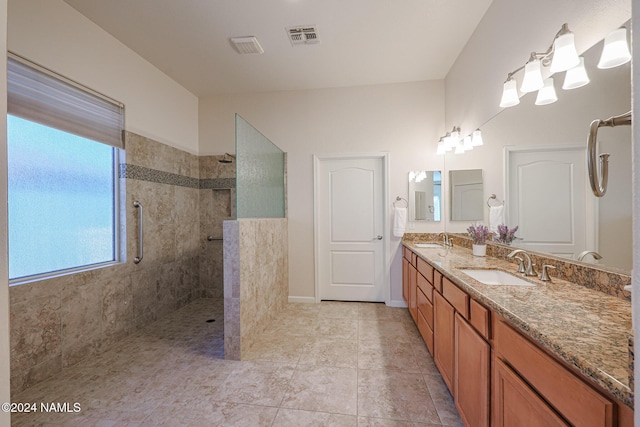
476	139
576	77
459	148
509	94
547	94
441	148
532	77
565	55
616	49
467	144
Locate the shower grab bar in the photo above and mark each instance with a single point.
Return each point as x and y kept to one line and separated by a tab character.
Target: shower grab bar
137	259
599	186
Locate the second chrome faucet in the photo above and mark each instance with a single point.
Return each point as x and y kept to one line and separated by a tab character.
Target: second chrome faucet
529	269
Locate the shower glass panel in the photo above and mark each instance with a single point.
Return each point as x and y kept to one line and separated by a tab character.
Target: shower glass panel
259	174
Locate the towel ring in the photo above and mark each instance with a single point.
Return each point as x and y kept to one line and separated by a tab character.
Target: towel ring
493	196
398	198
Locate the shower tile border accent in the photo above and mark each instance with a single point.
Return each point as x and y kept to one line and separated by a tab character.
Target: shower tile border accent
141	173
217	183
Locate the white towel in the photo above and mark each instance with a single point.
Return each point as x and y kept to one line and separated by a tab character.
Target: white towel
496	217
399	221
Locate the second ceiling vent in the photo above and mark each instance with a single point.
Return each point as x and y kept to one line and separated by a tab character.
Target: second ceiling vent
303	35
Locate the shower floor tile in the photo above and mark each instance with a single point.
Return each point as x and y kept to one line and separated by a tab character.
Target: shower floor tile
318	365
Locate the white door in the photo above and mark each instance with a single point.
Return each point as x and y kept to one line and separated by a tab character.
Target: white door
548	197
467	202
350	229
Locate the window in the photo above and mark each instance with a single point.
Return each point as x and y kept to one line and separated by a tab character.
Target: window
63	143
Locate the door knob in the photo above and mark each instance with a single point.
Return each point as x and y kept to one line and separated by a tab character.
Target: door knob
379	237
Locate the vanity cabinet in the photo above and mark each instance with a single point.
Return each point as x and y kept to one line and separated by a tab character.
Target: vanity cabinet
405	279
496	374
443	338
516	404
472	374
410	282
550	385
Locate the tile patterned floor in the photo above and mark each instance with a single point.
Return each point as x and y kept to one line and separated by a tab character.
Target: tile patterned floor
330	364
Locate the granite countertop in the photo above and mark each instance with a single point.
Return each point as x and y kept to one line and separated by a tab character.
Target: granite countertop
586	328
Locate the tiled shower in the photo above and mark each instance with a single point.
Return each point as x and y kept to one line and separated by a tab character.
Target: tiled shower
59	321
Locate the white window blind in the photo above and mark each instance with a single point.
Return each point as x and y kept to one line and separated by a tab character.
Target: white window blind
37	94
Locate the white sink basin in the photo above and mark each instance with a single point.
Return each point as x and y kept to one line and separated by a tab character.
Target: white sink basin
496	277
428	245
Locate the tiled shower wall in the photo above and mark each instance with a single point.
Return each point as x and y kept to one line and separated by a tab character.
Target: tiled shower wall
59	321
256	280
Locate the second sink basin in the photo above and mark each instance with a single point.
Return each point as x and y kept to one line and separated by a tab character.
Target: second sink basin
496	277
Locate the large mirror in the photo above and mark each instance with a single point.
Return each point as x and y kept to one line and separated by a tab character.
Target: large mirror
544	195
425	195
467	193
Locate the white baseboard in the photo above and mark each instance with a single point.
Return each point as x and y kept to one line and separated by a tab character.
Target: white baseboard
305	300
397	303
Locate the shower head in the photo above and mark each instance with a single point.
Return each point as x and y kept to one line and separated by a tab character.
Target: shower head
228	158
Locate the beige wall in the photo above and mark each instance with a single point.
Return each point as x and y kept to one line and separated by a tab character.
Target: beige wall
5	373
635	278
503	40
402	119
53	34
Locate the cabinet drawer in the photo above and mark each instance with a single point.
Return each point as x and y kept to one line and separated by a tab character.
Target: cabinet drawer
426	308
568	394
426	332
426	270
406	253
414	259
479	318
437	280
456	297
515	404
426	287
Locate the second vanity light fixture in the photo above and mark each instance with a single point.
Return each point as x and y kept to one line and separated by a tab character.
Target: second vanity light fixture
562	56
452	141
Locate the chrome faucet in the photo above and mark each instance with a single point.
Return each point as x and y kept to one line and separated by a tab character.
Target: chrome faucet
595	254
446	239
529	270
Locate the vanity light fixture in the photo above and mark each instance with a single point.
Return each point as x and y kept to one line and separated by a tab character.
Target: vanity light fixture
459	148
560	56
616	49
576	77
452	141
467	144
564	52
509	93
547	94
532	75
476	138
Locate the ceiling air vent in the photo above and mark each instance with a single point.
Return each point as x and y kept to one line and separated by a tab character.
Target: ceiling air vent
246	45
303	35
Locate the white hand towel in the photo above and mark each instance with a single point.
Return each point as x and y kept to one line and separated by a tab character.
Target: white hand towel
496	217
399	221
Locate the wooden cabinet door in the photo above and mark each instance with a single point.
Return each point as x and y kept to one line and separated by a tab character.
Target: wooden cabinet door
413	295
443	338
405	280
515	404
472	374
